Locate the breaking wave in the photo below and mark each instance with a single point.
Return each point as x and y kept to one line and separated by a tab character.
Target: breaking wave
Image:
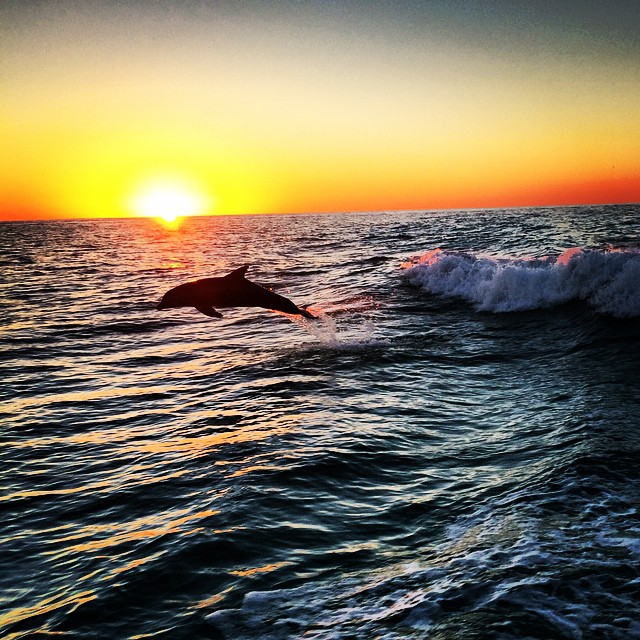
608	281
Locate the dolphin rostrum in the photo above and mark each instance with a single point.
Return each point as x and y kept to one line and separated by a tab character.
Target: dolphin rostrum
232	290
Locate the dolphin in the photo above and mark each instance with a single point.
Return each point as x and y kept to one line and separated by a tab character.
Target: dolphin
232	290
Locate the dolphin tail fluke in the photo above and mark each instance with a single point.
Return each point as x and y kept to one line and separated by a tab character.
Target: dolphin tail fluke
305	314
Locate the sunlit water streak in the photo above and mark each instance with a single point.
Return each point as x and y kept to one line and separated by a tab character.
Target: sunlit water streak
450	451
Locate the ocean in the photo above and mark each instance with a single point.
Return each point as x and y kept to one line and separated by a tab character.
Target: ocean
450	451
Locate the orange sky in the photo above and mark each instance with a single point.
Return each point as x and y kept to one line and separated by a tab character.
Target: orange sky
309	106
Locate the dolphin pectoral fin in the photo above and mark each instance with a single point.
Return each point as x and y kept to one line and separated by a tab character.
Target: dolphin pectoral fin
209	311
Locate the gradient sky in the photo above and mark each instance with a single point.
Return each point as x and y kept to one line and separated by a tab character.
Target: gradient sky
318	106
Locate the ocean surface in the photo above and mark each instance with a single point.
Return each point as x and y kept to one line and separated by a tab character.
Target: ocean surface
450	451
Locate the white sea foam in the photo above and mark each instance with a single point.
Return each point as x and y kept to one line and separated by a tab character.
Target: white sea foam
608	281
493	560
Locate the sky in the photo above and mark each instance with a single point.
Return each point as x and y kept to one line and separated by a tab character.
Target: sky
312	106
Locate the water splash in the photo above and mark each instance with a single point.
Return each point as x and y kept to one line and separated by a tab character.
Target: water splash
325	329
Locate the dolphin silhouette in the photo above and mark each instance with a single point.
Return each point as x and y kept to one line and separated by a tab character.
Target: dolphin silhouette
232	290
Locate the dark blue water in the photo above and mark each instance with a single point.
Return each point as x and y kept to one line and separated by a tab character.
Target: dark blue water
451	451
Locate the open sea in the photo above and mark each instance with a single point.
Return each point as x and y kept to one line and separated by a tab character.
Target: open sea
451	451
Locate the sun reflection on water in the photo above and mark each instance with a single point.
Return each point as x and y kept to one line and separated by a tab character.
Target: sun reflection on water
143	528
169	222
47	605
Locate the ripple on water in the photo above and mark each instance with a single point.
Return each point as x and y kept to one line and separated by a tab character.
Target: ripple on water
404	467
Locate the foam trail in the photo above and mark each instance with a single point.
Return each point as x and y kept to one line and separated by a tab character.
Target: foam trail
608	281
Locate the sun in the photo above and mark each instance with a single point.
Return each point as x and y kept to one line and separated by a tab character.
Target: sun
168	201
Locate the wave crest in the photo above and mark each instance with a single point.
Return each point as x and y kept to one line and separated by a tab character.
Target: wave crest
608	281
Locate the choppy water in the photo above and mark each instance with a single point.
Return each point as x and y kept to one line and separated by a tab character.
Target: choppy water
450	452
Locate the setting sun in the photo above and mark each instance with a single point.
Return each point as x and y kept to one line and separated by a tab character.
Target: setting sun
168	201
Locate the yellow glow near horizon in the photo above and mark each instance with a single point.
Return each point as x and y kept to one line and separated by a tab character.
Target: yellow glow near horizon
313	109
168	201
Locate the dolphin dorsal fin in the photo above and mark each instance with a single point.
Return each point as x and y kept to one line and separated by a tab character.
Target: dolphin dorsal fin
238	273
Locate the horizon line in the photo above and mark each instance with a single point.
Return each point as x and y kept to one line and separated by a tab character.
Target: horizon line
332	212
